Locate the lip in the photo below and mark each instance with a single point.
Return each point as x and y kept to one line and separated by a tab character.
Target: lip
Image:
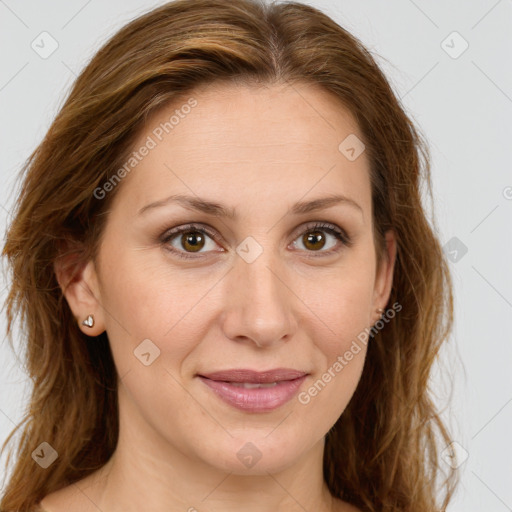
223	384
243	375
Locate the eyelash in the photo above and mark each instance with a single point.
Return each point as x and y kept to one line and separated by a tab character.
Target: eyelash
332	229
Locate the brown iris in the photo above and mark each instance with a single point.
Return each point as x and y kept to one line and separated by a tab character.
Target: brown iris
192	241
314	240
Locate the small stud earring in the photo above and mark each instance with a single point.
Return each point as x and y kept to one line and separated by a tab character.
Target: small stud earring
89	321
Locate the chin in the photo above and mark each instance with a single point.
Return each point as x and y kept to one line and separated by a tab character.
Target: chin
258	453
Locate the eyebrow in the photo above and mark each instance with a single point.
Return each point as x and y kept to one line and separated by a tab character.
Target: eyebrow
213	208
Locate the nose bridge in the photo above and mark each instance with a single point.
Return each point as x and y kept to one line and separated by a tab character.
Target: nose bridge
259	305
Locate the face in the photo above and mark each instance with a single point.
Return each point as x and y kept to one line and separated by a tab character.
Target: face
265	278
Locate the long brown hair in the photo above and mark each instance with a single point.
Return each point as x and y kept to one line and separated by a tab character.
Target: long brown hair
383	452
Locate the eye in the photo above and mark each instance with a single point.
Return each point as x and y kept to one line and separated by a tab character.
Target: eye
189	239
322	237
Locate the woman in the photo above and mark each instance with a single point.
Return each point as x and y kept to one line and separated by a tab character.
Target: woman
229	288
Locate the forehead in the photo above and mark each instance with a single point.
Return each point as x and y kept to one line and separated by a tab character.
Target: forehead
297	114
246	140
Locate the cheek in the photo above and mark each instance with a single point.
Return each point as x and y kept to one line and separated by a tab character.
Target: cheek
345	312
327	395
341	310
143	298
341	339
342	302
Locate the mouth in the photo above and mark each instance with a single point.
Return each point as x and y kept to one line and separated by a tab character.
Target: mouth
253	391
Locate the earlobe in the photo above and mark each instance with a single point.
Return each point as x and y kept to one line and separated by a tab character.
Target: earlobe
78	282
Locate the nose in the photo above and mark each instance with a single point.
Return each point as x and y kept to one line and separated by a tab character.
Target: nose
259	306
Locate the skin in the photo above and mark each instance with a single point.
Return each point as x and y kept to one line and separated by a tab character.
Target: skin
258	150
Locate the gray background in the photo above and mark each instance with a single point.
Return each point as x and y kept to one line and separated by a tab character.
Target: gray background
462	101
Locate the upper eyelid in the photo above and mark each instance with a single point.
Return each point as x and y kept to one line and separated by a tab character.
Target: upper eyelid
318	224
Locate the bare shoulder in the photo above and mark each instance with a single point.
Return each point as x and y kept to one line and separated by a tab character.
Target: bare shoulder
67	499
80	496
343	506
54	502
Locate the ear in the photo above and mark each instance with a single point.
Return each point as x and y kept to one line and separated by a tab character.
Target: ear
78	281
384	276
